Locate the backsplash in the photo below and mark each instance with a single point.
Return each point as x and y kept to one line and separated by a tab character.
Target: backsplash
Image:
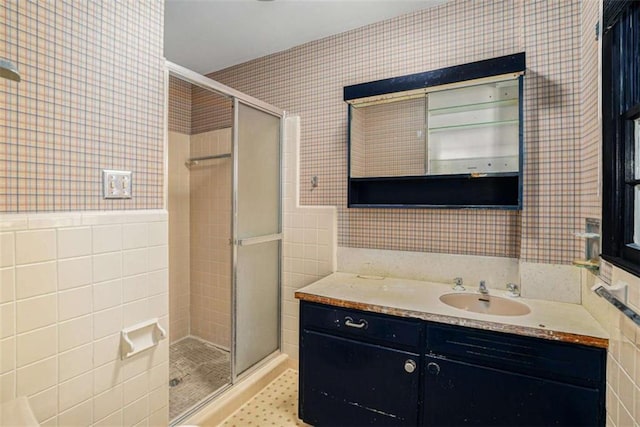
307	80
91	98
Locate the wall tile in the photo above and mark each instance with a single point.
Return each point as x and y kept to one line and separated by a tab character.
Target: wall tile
135	388
75	391
158	281
74	272
74	303
108	376
136	312
107	322
8	319
106	349
44	404
74	242
134	236
107	266
135	261
7	249
107	238
37	377
8	355
158	233
36	345
36	312
136	287
7	386
81	415
160	417
107	403
158	399
75	362
75	332
36	279
51	422
158	375
107	294
35	246
7	285
135	412
114	419
158	258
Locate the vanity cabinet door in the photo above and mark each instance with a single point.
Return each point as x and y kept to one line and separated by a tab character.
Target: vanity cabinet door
344	382
458	393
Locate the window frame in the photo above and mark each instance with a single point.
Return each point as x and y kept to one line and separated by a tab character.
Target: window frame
620	109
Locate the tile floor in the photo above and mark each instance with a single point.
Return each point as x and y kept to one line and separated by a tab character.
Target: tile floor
200	369
275	405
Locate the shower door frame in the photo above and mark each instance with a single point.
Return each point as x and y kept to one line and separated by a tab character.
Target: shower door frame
235	96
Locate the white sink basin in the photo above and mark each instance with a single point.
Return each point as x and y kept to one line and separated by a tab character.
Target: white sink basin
486	304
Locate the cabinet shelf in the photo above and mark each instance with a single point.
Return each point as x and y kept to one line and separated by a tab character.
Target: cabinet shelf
473	125
473	107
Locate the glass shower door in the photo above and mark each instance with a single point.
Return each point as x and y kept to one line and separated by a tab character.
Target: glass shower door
257	235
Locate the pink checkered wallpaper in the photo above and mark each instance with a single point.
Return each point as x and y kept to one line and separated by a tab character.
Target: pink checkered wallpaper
307	80
91	98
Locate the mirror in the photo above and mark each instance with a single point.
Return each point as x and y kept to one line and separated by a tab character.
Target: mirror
436	137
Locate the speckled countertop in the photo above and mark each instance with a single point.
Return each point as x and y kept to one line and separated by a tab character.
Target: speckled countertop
421	300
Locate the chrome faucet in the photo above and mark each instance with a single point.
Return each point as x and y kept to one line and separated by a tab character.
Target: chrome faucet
483	288
458	284
513	290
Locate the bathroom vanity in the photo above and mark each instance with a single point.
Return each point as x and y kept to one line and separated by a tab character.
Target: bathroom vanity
388	352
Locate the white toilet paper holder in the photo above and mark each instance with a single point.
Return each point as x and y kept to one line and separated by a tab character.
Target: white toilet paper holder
140	337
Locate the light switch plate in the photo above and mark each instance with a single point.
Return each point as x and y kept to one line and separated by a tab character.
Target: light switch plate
116	184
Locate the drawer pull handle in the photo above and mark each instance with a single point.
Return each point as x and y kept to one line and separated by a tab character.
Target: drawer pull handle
350	323
410	365
433	368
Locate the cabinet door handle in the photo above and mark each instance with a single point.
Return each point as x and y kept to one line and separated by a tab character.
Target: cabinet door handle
433	368
410	365
350	323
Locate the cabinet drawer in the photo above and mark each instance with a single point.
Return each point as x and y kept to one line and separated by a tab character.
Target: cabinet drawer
363	325
534	356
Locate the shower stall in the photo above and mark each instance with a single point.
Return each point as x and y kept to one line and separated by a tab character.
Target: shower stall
225	239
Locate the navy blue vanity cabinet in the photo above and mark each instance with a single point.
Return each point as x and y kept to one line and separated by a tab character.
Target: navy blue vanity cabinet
358	368
482	378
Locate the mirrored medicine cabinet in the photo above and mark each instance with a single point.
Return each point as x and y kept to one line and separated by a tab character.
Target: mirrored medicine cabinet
444	138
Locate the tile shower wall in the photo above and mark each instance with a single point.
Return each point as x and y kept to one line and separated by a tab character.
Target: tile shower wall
307	80
92	97
68	284
179	236
210	201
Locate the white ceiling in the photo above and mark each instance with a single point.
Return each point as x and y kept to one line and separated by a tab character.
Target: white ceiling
209	35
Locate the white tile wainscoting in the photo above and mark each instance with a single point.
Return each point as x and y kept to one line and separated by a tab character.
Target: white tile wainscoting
69	282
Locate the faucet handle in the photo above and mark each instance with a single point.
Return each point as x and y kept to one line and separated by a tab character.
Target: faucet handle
513	289
458	284
483	287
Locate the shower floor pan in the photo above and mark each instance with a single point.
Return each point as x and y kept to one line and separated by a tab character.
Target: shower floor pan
196	370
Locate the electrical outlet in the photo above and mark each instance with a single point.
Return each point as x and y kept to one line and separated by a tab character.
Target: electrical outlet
116	184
